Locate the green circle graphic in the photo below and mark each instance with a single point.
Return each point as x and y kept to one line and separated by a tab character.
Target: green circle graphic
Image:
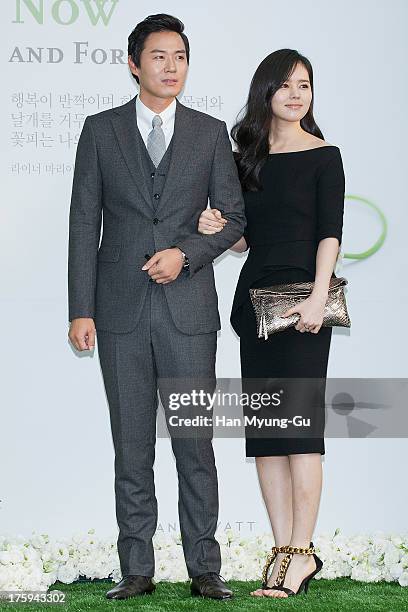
380	240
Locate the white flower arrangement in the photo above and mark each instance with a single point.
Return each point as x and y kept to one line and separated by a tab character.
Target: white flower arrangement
35	563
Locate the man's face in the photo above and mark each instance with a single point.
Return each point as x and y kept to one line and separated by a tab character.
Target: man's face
163	65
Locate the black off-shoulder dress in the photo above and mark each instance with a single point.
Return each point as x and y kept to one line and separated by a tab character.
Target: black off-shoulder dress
301	202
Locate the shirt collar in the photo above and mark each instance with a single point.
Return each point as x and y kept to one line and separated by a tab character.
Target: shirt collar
146	115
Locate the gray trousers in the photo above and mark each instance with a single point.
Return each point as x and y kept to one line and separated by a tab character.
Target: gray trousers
132	365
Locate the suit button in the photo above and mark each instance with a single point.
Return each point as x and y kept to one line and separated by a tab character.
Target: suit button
156	196
152	174
155	220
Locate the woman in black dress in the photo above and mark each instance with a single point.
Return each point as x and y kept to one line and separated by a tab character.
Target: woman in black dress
293	184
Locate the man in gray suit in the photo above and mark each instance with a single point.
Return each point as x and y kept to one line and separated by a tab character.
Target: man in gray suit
148	167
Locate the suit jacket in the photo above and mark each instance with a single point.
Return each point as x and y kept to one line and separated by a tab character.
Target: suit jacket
106	282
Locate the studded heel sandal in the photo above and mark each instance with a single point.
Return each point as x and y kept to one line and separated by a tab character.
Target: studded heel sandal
269	560
290	550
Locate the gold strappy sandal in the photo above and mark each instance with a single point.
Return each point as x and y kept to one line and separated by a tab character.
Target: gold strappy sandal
290	550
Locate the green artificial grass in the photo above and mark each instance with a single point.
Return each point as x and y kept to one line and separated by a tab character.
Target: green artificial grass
337	595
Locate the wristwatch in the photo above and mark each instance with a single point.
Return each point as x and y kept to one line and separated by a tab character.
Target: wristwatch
186	263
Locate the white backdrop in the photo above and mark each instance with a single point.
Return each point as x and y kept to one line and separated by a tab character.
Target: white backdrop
56	451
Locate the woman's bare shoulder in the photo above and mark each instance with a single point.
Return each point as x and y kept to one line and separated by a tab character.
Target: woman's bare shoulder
319	142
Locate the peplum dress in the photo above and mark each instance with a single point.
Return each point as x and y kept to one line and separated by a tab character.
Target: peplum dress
301	203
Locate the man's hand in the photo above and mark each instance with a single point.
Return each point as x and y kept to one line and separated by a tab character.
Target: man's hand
82	334
165	266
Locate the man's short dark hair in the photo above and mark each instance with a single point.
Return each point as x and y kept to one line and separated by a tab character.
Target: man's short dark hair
154	23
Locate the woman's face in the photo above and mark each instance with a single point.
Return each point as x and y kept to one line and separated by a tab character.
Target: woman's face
292	100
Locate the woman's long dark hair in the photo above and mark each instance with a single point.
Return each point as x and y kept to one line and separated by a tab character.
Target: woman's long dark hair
251	132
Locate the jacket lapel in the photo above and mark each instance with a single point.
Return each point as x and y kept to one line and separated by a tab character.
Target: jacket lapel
132	147
184	137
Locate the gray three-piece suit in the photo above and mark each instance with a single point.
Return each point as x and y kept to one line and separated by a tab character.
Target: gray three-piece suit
148	331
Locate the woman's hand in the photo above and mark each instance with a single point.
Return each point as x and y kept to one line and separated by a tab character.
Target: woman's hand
211	221
311	314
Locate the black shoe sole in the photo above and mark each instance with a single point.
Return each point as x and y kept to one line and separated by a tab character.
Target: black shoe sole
221	598
130	596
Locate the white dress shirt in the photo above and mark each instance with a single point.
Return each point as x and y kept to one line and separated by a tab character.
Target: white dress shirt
145	116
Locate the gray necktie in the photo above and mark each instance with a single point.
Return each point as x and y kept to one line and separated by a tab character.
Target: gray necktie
156	143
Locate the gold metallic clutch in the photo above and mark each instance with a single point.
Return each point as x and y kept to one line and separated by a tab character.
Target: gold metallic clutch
271	302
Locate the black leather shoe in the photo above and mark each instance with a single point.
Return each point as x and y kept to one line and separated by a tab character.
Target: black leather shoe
131	586
210	585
